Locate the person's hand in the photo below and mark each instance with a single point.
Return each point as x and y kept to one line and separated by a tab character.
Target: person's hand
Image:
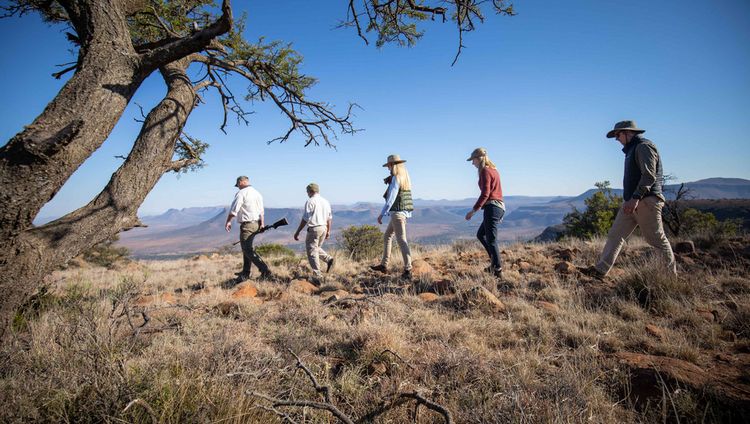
228	226
630	206
470	214
380	219
328	235
296	236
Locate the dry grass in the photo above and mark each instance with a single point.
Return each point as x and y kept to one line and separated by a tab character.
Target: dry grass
82	351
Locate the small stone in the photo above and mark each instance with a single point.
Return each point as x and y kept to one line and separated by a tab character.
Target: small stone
245	290
303	286
548	306
524	266
655	331
565	267
331	296
428	297
420	268
706	314
481	298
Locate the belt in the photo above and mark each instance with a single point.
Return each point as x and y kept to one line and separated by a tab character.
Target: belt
249	222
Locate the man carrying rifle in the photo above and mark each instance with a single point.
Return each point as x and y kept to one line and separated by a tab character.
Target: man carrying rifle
318	218
248	208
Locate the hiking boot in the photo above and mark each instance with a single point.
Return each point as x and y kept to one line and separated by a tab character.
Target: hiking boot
379	268
406	275
316	281
498	273
241	277
330	265
591	271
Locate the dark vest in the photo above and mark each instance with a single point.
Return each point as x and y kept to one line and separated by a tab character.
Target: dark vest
633	172
403	202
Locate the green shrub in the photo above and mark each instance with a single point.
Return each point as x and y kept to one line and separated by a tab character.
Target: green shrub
106	254
363	242
596	220
274	249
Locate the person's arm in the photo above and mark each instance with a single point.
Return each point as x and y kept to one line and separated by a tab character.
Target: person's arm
305	218
260	204
302	224
390	198
329	225
233	211
484	187
647	159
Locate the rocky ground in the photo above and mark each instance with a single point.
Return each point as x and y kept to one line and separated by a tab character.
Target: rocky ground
176	341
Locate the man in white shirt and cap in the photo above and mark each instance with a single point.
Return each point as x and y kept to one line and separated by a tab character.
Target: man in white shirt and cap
248	208
318	218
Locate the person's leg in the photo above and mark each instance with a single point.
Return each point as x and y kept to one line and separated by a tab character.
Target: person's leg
322	254
311	247
621	229
246	231
387	243
648	216
482	235
399	227
493	218
255	257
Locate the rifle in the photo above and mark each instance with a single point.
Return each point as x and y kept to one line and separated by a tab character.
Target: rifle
280	223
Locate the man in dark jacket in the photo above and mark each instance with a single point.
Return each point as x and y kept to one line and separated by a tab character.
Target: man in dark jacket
643	199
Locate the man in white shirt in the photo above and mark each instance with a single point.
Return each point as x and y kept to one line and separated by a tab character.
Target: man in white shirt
318	218
248	208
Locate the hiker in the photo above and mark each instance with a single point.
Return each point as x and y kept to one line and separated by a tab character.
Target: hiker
318	218
642	197
398	205
491	202
248	208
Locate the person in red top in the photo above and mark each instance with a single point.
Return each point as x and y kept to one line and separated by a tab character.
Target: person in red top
491	202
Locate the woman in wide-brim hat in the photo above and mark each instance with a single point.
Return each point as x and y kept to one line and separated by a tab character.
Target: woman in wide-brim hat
491	202
398	206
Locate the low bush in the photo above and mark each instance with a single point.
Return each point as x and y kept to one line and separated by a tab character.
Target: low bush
363	242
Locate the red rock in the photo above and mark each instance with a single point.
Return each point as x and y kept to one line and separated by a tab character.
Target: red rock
481	298
245	290
428	297
655	331
524	266
334	295
548	306
420	268
443	287
706	314
565	268
303	286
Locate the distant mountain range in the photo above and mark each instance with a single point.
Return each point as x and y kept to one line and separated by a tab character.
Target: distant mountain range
180	232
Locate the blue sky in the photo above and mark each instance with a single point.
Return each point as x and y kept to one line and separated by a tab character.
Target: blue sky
538	90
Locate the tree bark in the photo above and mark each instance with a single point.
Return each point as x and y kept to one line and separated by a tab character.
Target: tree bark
36	252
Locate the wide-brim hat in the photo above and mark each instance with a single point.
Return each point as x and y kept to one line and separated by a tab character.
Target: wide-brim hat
477	153
393	160
241	178
625	126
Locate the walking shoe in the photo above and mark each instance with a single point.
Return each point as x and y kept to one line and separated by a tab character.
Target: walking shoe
498	273
316	281
591	271
406	275
330	265
379	268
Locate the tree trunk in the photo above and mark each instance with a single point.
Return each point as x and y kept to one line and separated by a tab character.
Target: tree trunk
35	252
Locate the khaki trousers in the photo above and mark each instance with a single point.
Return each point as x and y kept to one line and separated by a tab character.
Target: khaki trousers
396	226
314	247
648	217
249	255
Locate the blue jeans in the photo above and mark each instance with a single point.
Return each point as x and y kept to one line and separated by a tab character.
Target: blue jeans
487	234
